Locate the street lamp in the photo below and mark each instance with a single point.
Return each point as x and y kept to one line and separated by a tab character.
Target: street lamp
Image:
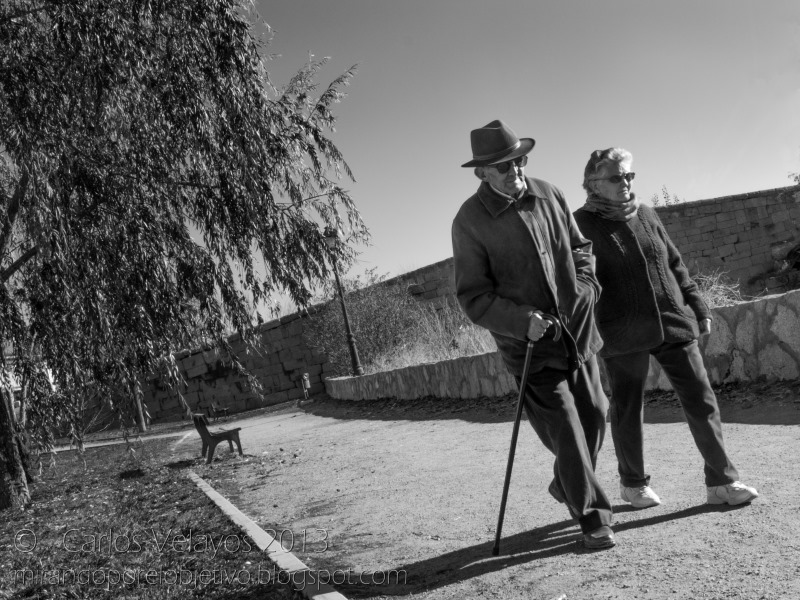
332	240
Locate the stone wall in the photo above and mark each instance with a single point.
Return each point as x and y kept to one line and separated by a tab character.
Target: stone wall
748	341
432	284
746	235
210	379
482	375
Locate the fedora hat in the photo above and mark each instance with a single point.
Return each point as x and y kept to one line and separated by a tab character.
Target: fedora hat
495	143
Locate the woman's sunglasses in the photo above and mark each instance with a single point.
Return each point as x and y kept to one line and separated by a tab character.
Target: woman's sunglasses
618	178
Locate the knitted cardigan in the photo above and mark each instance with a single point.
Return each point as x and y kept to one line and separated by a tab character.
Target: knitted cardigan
648	297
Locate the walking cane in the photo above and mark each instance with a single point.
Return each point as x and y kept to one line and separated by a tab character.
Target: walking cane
522	383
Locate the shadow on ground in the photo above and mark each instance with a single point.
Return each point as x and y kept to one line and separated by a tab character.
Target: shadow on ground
757	403
555	539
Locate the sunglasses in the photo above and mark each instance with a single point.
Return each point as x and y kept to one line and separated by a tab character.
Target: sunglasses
618	178
503	167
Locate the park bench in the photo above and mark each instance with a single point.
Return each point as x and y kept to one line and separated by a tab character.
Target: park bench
212	438
215	410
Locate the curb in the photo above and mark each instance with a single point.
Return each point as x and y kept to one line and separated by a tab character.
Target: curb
283	559
117	441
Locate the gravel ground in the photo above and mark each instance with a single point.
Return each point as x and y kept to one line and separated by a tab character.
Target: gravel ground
401	498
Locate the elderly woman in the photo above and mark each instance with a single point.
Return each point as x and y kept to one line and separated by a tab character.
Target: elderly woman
649	306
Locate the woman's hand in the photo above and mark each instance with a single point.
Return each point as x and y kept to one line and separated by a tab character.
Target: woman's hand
705	327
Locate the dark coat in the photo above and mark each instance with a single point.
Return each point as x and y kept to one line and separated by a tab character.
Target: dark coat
648	296
506	270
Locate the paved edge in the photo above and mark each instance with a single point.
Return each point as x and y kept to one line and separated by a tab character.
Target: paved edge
283	559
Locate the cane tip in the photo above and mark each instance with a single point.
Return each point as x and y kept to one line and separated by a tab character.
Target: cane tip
495	551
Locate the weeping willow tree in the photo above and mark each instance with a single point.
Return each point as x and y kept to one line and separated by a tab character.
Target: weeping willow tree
154	188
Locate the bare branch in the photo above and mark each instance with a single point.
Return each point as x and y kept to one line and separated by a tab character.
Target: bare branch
15	266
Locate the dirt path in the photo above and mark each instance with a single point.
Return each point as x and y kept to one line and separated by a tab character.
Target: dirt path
410	490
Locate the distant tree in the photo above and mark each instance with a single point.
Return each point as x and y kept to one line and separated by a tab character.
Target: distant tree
669	199
795	177
154	188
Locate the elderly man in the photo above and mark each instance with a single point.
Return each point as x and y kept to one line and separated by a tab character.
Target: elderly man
524	272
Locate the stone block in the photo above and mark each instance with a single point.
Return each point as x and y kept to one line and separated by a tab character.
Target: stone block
724	219
313	369
274	323
294	328
693	232
775	363
430	274
731	238
292	365
725	250
721	338
295	394
780	215
429	285
272	335
193	360
276	398
197	371
786	327
704	221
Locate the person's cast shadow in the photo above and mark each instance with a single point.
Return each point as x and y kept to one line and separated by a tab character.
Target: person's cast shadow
550	540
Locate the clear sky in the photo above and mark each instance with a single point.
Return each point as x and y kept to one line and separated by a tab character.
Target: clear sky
704	93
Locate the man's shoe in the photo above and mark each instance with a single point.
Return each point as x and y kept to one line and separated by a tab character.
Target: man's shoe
640	497
733	494
555	492
600	538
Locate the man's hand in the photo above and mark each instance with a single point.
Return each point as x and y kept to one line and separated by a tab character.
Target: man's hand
705	327
537	326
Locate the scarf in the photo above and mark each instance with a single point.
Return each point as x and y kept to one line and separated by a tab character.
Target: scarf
612	209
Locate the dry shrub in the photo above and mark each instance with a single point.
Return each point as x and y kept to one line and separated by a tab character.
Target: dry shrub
717	289
391	328
437	334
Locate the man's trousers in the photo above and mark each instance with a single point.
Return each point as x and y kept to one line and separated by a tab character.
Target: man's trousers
567	409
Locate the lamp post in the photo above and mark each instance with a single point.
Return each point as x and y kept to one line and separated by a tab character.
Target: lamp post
332	240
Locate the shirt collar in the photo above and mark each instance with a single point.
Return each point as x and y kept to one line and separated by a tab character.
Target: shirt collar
496	202
508	196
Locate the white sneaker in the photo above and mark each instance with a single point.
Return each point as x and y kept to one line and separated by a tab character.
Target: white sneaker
639	497
733	494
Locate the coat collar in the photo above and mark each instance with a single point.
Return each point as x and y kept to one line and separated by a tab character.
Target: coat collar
496	204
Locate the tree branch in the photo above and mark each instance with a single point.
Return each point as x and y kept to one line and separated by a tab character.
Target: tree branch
12	211
15	266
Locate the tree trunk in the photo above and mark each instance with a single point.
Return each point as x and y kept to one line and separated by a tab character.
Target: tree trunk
23	402
140	421
21	438
13	481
